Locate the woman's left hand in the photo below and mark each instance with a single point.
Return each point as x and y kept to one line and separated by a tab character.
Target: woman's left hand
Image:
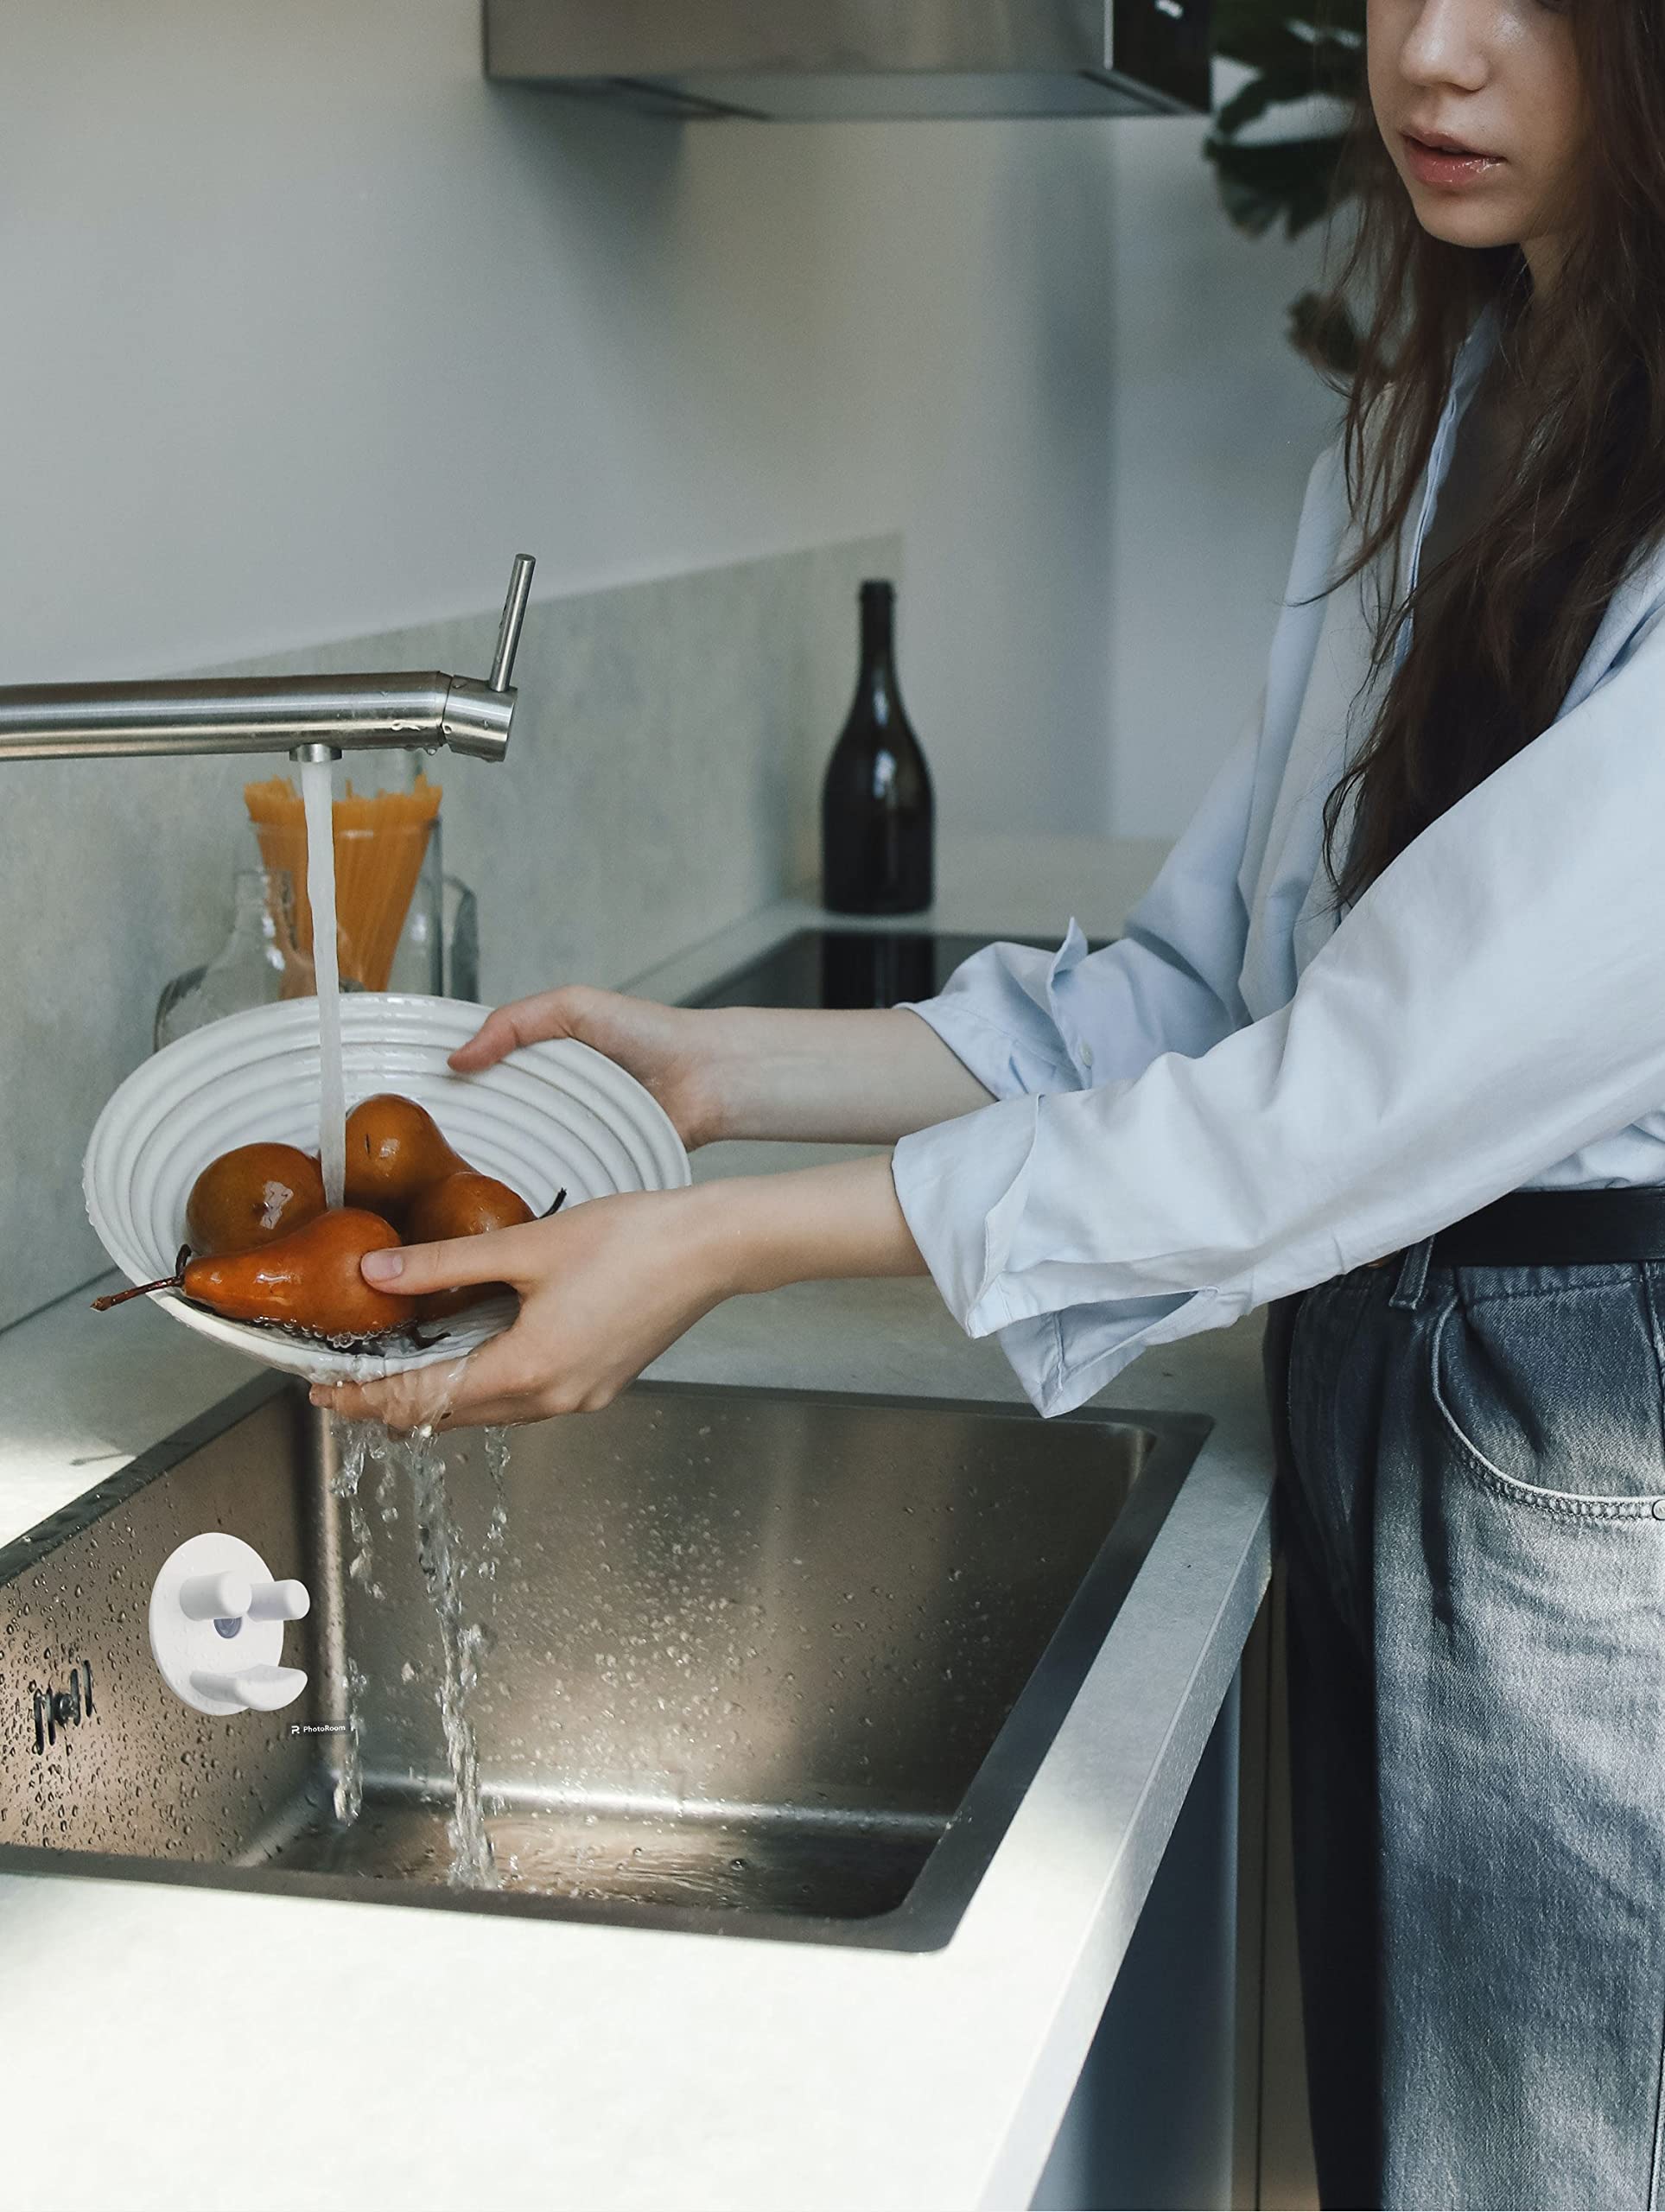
603	1290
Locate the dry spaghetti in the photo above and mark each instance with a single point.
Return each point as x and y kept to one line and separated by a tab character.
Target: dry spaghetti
381	838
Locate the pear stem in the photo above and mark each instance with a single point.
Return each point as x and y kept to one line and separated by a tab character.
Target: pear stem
174	1281
556	1203
139	1290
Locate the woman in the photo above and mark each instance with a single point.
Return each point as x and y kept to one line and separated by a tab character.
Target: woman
1410	1118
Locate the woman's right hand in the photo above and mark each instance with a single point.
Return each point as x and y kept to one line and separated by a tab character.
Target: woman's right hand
669	1050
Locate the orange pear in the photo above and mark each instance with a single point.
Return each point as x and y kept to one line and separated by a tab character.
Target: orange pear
251	1196
462	1204
394	1148
309	1279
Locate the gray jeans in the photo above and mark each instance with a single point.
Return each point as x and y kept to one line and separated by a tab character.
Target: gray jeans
1471	1507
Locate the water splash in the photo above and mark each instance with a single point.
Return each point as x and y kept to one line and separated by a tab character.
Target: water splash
358	1445
496	1462
445	1569
352	1446
439	1552
350	1789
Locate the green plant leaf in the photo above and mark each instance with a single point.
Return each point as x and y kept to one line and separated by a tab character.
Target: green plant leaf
1242	23
1277	87
1291	177
1295	52
1326	336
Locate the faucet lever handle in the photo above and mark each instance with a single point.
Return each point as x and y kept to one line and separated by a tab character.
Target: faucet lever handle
514	613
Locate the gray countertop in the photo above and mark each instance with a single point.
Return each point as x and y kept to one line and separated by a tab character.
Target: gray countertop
297	2052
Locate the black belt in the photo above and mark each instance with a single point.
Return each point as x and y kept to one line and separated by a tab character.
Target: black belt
1550	1229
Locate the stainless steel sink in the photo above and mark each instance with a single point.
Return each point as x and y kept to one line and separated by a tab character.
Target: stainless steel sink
751	1662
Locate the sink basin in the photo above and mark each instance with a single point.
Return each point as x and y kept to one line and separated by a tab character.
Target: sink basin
749	1662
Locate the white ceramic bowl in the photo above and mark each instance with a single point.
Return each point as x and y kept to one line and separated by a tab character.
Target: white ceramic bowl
550	1116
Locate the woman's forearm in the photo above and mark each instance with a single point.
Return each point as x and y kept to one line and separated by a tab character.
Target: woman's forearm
759	1232
859	1077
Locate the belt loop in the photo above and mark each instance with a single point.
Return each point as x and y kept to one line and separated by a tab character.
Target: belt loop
1413	1276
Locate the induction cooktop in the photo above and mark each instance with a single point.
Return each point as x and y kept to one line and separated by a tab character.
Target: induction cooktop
855	968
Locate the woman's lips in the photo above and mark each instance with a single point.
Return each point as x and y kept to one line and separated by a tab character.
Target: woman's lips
1434	165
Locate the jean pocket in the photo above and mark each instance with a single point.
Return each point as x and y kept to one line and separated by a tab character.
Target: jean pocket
1554	1397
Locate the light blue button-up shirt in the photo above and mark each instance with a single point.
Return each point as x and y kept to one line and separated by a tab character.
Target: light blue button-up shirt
1245	1096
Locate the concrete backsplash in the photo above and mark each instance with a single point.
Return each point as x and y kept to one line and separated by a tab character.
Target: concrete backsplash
662	783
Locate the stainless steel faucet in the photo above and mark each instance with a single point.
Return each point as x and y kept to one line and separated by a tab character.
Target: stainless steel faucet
309	717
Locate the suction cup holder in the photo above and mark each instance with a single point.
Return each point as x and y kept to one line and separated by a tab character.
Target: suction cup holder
217	1618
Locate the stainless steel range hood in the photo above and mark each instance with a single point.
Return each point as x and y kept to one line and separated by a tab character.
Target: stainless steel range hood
800	60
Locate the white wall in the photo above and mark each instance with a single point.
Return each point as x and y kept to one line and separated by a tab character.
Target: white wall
307	329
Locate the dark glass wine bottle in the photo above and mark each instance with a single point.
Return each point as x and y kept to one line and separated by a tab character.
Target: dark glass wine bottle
876	809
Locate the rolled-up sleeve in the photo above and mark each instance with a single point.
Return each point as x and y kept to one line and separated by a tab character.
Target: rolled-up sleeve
1495	1000
1026	1020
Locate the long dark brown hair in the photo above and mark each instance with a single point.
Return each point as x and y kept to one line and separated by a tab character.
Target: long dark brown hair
1499	628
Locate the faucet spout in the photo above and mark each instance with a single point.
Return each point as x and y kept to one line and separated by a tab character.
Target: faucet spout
307	716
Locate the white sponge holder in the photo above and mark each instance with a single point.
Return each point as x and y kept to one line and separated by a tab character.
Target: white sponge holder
217	1618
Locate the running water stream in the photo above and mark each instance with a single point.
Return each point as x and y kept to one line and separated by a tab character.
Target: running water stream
317	793
439	1550
418	1453
440	1555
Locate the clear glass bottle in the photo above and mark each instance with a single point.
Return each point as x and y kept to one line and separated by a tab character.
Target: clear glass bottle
260	961
438	948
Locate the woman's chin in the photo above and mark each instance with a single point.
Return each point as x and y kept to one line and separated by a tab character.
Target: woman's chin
1442	217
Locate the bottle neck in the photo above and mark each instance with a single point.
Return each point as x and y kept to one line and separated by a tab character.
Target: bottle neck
878	678
252	903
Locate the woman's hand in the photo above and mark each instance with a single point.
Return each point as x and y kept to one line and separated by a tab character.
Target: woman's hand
603	1290
609	1285
670	1051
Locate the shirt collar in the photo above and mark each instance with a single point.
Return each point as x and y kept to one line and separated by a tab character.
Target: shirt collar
1472	355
